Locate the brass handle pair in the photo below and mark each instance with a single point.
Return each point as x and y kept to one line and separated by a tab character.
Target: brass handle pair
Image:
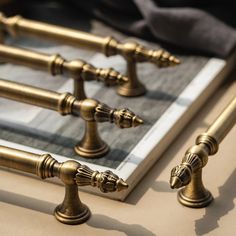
189	172
90	110
132	52
71	173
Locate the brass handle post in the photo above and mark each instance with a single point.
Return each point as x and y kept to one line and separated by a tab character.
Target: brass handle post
90	110
132	52
72	174
189	172
55	64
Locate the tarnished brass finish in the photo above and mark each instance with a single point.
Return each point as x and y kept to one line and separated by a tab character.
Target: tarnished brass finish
79	70
189	172
72	174
131	51
90	110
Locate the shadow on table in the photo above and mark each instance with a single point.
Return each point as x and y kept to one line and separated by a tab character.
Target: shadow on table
219	208
150	181
164	96
108	223
27	202
59	144
160	96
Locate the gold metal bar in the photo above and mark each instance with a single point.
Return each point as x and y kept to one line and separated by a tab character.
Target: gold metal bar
189	172
61	34
72	174
29	58
26	162
132	52
54	64
33	95
224	123
90	110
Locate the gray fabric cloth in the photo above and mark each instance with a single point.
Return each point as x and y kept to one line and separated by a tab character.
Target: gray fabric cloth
200	26
188	27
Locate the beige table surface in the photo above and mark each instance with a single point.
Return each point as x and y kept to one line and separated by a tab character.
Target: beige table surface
26	204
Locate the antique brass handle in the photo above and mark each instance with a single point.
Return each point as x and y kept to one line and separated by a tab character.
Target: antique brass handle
189	172
131	51
90	110
79	70
72	174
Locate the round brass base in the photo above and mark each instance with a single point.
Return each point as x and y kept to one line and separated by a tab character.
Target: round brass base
127	90
80	218
92	153
204	201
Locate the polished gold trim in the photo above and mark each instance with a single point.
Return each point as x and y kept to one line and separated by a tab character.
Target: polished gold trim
189	172
71	173
55	64
132	52
90	110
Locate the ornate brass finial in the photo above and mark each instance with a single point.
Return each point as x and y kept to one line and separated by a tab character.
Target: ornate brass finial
123	118
81	71
92	111
189	173
180	176
110	76
71	173
131	51
159	57
106	181
134	52
194	159
88	72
